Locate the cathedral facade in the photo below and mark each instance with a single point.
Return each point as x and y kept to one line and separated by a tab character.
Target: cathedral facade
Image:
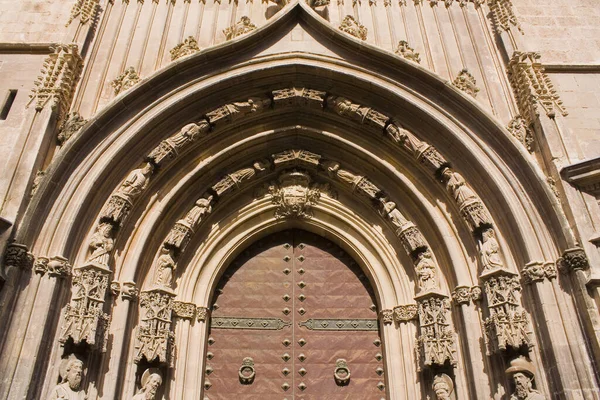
322	199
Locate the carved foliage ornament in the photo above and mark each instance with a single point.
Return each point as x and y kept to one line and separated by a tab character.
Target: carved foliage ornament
404	50
533	87
575	259
466	82
538	271
353	27
406	312
17	255
70	126
520	131
188	47
128	79
60	73
466	294
184	310
503	15
84	9
243	26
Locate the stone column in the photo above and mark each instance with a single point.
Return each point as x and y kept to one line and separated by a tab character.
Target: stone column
112	379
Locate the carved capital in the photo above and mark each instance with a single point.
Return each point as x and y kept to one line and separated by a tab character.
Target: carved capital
18	256
466	294
61	72
184	310
537	271
405	313
201	314
575	259
59	267
129	291
387	316
40	266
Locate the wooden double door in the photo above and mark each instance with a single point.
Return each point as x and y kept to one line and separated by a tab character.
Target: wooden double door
294	317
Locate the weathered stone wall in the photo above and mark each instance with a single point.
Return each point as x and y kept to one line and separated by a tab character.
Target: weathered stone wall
33	21
565	31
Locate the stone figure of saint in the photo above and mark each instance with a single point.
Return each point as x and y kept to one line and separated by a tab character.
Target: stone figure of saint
71	371
442	387
101	244
426	272
151	381
490	251
135	182
165	265
405	138
522	373
457	186
395	216
189	133
201	208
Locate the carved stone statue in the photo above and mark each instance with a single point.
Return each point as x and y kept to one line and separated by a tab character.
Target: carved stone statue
395	216
169	148
71	371
426	271
200	209
457	186
101	244
151	381
163	271
442	386
490	251
522	373
136	182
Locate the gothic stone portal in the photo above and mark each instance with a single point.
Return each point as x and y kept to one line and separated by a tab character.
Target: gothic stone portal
294	317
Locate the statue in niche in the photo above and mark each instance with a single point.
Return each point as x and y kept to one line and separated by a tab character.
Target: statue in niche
405	138
151	381
490	251
442	386
71	372
457	186
135	182
522	373
101	244
165	266
426	272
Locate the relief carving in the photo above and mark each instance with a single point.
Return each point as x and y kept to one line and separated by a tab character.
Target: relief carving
18	256
151	381
243	26
234	111
533	87
353	27
71	375
294	195
85	320
61	72
466	82
536	271
426	272
129	291
364	115
575	259
491	258
163	269
519	129
201	314
71	125
188	47
466	294
170	148
359	183
128	79
387	317
522	372
154	339
471	207
436	342
507	324
299	97
120	203
101	244
184	310
405	313
407	52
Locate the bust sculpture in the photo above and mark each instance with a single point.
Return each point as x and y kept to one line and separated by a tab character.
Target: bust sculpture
151	381
71	371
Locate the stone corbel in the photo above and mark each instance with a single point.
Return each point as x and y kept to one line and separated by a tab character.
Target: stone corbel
184	310
17	255
387	316
405	313
538	271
